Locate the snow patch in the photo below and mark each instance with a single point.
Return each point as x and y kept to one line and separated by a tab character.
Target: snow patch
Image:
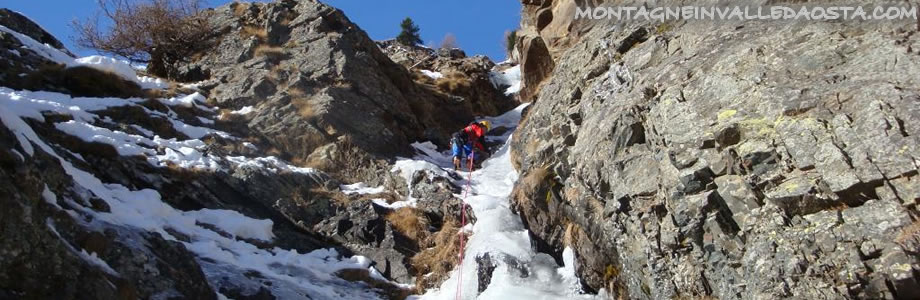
50	197
271	163
243	111
510	78
205	121
185	100
432	74
395	205
236	224
146	132
188	158
125	144
360	188
93	259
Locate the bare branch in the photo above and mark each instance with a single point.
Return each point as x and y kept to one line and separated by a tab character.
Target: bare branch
160	33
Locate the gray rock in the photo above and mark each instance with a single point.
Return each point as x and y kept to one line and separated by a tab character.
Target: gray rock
771	164
738	196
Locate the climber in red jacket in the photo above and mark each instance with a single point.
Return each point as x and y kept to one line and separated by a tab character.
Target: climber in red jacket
464	142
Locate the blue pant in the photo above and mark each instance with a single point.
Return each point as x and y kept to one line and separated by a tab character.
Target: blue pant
461	151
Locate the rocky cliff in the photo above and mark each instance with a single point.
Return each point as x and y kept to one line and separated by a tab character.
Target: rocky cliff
123	186
731	160
307	71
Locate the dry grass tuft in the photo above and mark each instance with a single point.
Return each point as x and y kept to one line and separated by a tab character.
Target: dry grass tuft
239	8
334	195
269	51
417	76
305	109
438	260
410	222
260	33
452	82
536	177
909	237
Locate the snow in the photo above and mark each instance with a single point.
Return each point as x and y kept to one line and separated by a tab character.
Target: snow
243	111
395	205
147	82
18	127
146	132
118	67
432	74
236	224
188	158
93	259
360	188
205	121
271	163
510	78
196	132
125	144
32	104
108	64
185	100
50	197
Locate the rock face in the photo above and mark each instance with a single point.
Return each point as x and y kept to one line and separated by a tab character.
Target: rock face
22	24
548	27
315	79
759	160
466	80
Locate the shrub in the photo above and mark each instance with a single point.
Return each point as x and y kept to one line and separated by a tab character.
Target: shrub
449	41
510	41
159	33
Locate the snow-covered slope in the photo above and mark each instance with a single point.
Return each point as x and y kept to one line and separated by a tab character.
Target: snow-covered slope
228	244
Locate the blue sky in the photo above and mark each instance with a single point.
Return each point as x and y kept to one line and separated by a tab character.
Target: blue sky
479	25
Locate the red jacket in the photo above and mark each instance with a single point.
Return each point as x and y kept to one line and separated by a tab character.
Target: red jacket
476	135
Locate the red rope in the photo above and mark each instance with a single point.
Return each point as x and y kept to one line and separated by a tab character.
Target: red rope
462	235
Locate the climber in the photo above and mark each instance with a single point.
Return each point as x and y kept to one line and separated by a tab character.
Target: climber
465	142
